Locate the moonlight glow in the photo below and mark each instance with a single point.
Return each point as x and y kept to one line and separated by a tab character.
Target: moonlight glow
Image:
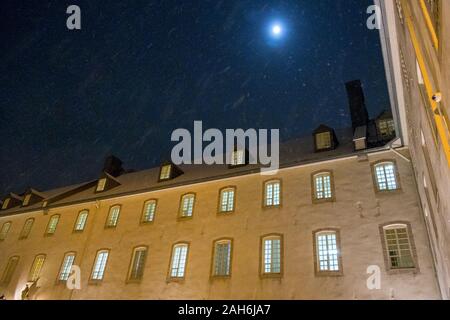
276	30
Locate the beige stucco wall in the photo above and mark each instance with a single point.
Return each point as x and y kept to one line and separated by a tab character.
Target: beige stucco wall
296	220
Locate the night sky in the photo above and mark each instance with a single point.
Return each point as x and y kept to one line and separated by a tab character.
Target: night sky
140	69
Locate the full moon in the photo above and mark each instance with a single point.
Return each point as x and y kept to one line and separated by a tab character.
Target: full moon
276	30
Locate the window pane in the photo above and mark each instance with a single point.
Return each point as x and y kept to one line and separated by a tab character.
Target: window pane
66	266
222	258
165	172
178	263
101	184
113	216
9	270
323	140
385	176
26	228
227	200
138	264
5	229
327	251
149	211
187	205
272	255
52	224
273	193
323	186
36	268
99	266
399	249
81	221
237	157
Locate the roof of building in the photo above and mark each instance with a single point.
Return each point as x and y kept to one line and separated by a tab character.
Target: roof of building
292	153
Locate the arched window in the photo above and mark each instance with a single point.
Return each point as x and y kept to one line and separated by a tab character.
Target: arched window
66	266
98	271
52	224
187	205
385	176
323	186
27	226
178	261
272	193
5	230
227	200
222	258
36	267
271	255
137	265
148	214
81	221
327	252
398	246
113	216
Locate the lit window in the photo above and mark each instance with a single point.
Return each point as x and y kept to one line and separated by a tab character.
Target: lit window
178	261
99	265
237	158
81	220
398	247
149	211
9	270
271	255
137	264
187	205
101	184
52	224
44	204
322	186
323	140
165	172
6	203
226	200
5	229
113	217
327	251
66	266
26	200
26	228
222	258
386	177
272	193
36	268
386	128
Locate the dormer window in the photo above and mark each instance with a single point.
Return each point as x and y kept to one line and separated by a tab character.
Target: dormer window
26	200
106	182
6	203
101	185
386	128
238	157
168	171
165	172
324	139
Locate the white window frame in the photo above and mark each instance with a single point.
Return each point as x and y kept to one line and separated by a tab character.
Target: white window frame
269	264
323	186
100	263
327	252
227	200
66	266
148	216
187	205
80	223
52	225
272	193
137	264
178	261
222	264
112	218
36	267
386	180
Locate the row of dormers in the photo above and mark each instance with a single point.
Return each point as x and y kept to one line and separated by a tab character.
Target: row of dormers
324	139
